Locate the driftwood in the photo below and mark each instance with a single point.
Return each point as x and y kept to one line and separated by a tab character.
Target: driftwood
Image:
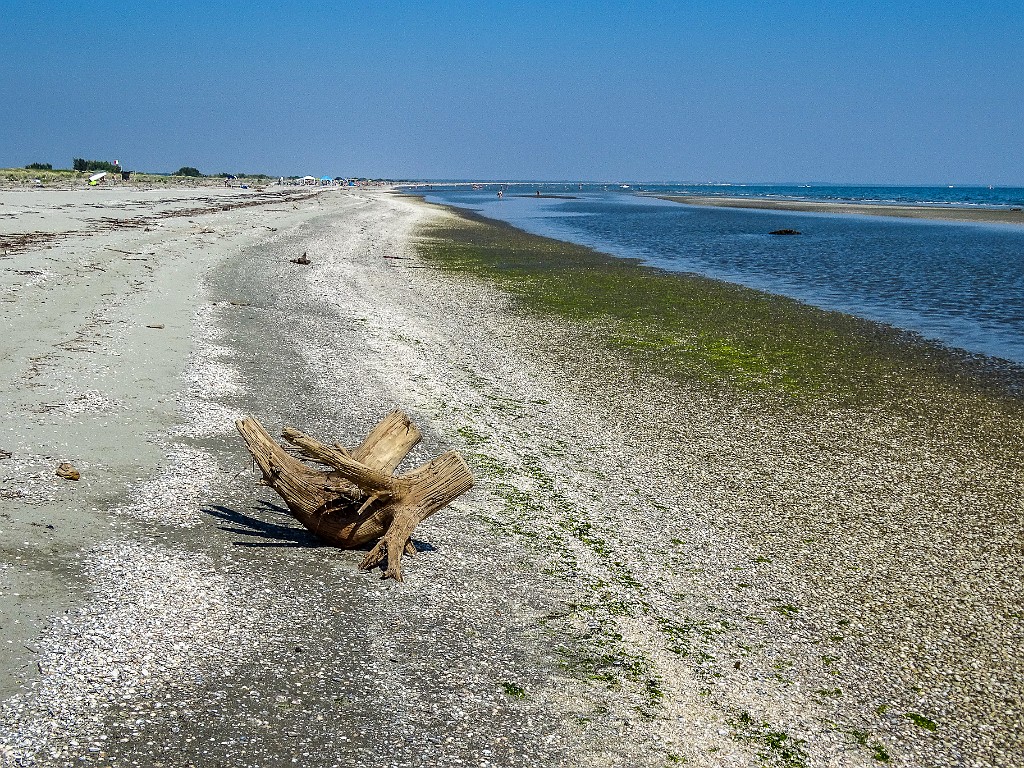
357	498
68	471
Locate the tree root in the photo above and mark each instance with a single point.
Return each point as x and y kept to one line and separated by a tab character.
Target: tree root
359	499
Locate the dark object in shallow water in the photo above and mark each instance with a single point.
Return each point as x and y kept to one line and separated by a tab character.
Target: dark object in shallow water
784	232
303	259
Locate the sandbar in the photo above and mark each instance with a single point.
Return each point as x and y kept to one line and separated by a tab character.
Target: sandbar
941	213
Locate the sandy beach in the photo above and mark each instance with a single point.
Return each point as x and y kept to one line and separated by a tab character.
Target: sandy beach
98	295
935	212
650	571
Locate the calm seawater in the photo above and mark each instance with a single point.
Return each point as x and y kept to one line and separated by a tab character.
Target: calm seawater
960	284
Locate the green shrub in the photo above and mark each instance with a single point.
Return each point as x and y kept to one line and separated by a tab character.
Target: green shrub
187	171
81	164
39	167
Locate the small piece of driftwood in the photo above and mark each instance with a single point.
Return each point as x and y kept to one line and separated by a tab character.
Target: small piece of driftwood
303	259
357	499
68	471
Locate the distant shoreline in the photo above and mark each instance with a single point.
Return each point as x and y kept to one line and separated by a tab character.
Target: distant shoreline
942	213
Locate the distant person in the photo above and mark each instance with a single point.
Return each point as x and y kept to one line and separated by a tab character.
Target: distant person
500	193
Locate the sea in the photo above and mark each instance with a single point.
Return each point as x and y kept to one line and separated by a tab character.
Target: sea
959	284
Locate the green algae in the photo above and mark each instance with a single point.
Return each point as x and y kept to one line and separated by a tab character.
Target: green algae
878	752
702	331
514	690
775	748
921	721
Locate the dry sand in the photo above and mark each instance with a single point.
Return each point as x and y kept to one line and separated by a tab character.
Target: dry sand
943	213
643	576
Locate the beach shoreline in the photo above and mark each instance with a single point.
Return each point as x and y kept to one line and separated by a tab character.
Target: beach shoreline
995	374
680	547
817	490
928	212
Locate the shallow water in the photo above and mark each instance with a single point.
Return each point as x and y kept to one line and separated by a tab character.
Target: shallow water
960	284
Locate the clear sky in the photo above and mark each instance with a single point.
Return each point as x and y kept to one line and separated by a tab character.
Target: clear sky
877	91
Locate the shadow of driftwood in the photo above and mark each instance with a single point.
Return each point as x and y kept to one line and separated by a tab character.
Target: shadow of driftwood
285	534
274	534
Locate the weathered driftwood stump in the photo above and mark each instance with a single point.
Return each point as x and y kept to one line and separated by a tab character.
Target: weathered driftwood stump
359	499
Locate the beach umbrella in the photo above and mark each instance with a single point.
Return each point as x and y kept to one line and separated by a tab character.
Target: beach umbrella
95	178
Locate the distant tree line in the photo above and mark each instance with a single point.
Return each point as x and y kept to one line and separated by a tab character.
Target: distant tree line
194	172
81	164
241	175
92	166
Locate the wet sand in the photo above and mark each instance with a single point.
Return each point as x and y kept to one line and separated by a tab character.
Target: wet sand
97	296
941	213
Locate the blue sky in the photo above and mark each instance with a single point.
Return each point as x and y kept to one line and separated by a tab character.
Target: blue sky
856	92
